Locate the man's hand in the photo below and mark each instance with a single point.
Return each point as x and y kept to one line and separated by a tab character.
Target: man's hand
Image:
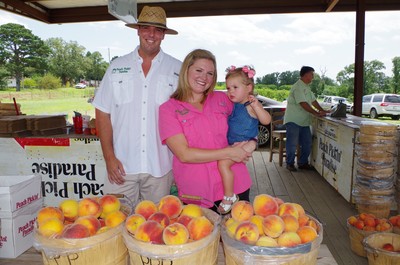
115	171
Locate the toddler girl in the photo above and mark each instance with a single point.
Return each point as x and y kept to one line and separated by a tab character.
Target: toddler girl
243	124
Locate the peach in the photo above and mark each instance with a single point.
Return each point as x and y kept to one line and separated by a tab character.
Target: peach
242	211
369	228
279	201
146	208
75	231
369	221
247	232
383	227
114	219
91	222
184	219
160	218
265	205
266	241
133	222
288	208
273	226
89	206
303	219
231	226
258	221
362	216
49	212
109	203
352	220
102	230
51	227
171	206
69	207
289	239
175	234
313	224
200	227
359	224
307	234
291	223
192	210
299	208
393	219
150	231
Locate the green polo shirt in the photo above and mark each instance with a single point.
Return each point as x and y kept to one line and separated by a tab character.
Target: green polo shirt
300	92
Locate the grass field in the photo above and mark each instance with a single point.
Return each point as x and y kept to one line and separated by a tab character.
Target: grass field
57	101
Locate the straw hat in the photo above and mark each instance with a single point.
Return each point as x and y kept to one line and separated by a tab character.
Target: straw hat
153	16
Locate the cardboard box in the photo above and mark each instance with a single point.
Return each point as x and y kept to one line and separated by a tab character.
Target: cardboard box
17	192
16	235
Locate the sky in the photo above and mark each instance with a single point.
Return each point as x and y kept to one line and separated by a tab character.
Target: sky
270	43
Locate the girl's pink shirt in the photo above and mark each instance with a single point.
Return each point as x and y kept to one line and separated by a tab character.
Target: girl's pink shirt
205	129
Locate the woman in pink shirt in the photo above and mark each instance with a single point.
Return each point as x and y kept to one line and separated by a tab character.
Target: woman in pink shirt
193	123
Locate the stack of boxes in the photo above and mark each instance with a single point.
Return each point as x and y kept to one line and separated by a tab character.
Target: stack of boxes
376	150
20	200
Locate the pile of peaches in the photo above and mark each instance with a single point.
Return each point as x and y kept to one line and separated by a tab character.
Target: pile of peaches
270	222
368	222
170	222
80	219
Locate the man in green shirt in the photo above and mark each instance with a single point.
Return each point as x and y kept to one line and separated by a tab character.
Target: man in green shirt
301	105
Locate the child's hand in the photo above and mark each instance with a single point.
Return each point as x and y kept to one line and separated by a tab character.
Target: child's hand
254	103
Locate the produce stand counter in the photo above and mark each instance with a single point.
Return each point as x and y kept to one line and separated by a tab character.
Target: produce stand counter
333	154
71	165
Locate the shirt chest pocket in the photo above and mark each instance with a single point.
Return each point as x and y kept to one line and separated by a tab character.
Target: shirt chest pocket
122	89
166	85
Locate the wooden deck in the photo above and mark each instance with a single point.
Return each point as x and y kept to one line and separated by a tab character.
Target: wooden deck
307	188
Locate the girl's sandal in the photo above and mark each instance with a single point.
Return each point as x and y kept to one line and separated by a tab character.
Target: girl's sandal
225	208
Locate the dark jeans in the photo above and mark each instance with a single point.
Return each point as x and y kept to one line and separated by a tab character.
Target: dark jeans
298	135
244	196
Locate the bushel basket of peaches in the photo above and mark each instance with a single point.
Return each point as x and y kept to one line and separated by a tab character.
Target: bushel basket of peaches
83	232
270	231
172	233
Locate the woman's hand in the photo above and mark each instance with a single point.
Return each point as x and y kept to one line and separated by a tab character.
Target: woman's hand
238	153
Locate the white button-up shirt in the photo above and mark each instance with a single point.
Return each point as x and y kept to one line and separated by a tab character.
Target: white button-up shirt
133	100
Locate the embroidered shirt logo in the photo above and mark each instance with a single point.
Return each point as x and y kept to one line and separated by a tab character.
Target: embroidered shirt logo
121	70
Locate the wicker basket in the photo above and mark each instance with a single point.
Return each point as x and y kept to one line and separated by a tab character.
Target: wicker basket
378	256
102	249
238	253
356	238
200	252
378	128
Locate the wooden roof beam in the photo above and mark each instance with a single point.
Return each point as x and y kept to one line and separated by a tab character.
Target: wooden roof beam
27	9
331	5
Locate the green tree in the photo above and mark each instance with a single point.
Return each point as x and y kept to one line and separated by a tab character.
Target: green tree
4	75
396	75
66	60
21	52
288	77
374	80
269	79
96	66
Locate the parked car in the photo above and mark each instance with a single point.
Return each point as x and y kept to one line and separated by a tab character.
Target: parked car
329	102
264	133
80	86
377	105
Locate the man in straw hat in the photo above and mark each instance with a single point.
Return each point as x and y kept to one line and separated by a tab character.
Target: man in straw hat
127	102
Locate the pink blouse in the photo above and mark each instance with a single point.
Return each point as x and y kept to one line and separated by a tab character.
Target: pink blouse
205	129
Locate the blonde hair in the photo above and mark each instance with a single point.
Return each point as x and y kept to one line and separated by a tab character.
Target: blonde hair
246	80
184	91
